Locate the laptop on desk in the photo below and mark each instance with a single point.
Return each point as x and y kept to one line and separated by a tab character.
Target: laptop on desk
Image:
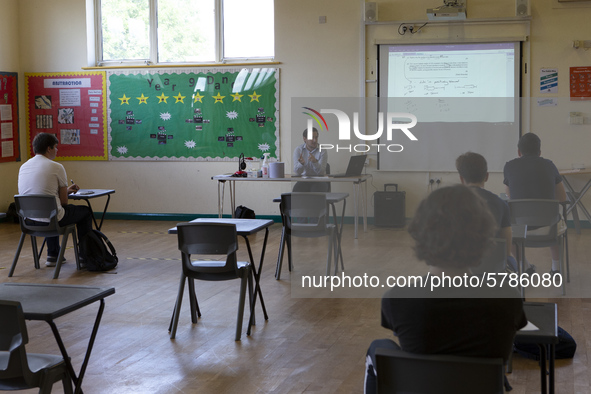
354	168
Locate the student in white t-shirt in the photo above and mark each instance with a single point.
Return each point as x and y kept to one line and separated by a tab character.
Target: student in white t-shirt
42	175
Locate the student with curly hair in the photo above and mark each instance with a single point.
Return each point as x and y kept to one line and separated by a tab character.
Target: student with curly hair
451	229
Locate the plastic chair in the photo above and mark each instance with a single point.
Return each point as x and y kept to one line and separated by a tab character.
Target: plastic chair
402	372
328	173
42	206
20	370
494	258
210	239
535	213
305	215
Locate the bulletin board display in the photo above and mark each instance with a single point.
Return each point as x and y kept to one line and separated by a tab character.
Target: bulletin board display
193	114
71	106
580	83
9	132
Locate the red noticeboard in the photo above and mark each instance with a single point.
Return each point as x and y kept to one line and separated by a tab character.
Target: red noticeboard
9	133
73	107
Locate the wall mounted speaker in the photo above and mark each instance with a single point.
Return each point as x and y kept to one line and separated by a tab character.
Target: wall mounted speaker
371	11
522	8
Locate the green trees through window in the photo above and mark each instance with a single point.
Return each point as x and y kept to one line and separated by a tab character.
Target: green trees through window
185	31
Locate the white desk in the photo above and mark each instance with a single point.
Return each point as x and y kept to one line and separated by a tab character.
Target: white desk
87	195
358	196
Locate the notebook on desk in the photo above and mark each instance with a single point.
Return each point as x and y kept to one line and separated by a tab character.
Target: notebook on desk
354	168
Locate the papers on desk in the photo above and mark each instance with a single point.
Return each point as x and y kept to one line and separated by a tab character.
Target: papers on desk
530	327
315	177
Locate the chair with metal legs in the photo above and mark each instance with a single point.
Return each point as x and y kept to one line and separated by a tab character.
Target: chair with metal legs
43	209
19	369
306	215
536	214
210	239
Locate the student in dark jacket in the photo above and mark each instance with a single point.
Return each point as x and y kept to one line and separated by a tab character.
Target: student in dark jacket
473	171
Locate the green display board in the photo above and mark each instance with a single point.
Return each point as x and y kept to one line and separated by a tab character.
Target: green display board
210	115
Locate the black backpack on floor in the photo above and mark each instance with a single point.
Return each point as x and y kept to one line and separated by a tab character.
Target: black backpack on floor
243	212
98	252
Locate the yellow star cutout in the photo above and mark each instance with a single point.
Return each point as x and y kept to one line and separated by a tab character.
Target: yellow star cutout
198	97
162	98
143	99
237	97
254	97
179	98
219	98
124	99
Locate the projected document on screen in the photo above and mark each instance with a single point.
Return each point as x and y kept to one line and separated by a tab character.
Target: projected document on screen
465	97
447	79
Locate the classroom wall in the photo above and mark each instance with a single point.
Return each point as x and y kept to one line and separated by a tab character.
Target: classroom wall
317	60
552	28
9	62
311	57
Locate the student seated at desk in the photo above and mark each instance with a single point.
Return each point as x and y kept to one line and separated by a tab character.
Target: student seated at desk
42	175
473	171
532	176
451	229
309	160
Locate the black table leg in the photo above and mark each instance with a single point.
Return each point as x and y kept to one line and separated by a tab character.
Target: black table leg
98	225
551	358
78	379
257	277
340	234
104	212
544	385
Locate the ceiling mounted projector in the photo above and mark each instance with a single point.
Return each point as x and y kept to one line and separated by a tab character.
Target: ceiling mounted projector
451	10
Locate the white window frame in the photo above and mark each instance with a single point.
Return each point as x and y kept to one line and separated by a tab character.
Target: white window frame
95	40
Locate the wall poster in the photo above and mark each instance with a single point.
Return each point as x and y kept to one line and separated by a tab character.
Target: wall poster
72	106
9	131
549	80
580	83
193	114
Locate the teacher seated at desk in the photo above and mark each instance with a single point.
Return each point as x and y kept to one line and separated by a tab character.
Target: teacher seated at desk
308	160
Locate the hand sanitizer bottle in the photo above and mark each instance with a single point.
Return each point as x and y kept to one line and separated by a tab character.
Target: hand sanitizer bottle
265	166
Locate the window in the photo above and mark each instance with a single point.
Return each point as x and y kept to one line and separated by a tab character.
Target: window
183	31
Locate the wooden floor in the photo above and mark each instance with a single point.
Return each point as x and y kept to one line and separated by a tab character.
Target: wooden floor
311	345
